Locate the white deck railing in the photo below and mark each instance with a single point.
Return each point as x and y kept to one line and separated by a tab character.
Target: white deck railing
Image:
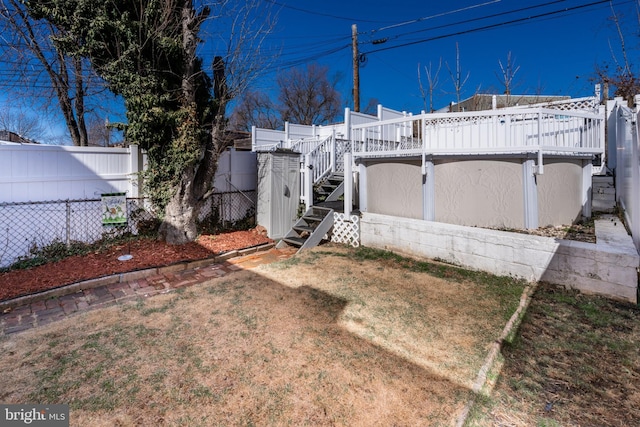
484	132
572	127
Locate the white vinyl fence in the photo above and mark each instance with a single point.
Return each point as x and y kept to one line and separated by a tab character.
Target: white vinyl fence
45	172
627	171
51	194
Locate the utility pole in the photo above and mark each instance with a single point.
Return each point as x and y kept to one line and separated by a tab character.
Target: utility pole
356	69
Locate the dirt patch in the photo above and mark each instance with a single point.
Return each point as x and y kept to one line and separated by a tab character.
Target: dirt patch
575	363
335	336
146	253
581	232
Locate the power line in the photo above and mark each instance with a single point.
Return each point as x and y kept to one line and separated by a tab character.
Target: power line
304	60
326	47
438	15
481	18
311	12
489	27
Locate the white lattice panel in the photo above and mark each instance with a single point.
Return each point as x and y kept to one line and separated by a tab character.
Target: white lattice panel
346	230
589	104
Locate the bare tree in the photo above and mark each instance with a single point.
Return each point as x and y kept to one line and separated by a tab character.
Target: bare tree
457	79
16	120
308	96
29	45
305	96
620	72
432	81
507	74
102	132
372	107
250	22
254	109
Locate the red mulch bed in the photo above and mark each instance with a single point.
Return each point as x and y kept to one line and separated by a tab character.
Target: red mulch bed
146	253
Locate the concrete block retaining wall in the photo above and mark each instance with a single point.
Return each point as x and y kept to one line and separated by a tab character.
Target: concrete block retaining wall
599	268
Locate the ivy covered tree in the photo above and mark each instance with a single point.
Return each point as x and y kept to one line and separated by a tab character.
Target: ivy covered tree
146	52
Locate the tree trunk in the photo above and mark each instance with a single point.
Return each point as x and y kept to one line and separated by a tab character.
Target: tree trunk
180	223
79	103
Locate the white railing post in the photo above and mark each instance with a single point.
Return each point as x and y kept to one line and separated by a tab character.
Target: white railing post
347	124
333	151
423	124
540	168
254	134
348	185
307	182
635	182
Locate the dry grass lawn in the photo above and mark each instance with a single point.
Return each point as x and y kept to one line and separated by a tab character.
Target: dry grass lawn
575	362
335	336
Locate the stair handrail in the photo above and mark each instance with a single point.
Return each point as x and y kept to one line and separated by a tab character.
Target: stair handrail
306	145
322	159
316	165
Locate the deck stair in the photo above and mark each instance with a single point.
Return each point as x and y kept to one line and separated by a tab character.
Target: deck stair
603	194
310	229
331	188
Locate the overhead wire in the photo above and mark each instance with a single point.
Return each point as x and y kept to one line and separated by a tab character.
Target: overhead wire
489	27
328	15
320	49
437	15
481	18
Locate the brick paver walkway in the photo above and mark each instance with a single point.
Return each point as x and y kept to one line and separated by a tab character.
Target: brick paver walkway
29	312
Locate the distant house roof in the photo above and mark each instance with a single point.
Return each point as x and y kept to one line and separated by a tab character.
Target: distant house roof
7	136
480	102
241	140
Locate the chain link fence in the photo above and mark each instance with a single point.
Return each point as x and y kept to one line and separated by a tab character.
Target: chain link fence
229	211
28	227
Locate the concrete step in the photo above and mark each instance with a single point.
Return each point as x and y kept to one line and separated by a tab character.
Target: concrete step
604	198
603	194
604	190
604	180
602	206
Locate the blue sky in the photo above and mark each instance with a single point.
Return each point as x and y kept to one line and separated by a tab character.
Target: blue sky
555	44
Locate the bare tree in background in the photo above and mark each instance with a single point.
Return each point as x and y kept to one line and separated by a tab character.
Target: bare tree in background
457	79
29	49
21	123
432	82
102	132
254	109
305	96
507	74
308	96
620	73
372	107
